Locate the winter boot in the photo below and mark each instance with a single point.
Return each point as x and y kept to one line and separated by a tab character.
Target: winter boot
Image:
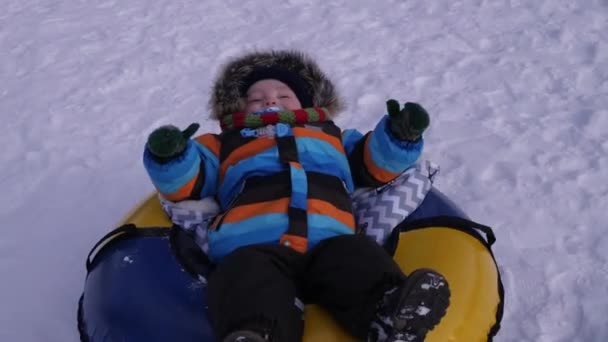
408	312
244	336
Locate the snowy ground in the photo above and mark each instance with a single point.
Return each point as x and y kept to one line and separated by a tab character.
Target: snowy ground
518	92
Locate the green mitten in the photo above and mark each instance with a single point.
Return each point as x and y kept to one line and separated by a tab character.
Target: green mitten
168	142
409	123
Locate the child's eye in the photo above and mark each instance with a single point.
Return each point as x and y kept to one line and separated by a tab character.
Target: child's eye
284	96
253	100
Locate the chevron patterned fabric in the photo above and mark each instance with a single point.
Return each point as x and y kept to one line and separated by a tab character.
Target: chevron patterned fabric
193	216
379	210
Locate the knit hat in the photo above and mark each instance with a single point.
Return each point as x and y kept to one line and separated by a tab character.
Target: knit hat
292	80
312	87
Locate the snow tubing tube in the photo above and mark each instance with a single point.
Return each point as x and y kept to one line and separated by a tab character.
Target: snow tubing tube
138	288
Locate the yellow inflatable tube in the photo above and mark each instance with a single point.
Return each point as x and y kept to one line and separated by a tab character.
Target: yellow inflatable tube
464	259
476	299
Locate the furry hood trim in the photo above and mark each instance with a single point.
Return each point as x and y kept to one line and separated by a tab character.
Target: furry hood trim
227	95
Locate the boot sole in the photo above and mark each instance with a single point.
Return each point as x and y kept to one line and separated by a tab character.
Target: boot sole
422	305
244	336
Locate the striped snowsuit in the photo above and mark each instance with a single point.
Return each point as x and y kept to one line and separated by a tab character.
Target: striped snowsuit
288	184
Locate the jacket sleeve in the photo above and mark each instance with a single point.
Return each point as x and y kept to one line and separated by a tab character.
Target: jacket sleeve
377	157
193	175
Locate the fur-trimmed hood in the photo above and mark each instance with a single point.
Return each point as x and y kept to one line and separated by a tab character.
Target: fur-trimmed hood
226	94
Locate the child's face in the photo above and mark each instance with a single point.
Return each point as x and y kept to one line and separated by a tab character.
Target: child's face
269	93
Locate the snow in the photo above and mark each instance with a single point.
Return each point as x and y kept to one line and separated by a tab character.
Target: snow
517	90
422	310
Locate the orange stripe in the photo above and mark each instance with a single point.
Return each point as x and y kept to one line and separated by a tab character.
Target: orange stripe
243	212
243	152
280	206
183	192
296	165
325	208
211	142
301	132
377	172
297	243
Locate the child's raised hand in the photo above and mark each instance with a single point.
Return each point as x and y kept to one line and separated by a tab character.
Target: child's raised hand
168	142
408	123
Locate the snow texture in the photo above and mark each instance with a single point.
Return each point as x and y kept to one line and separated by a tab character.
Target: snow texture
517	91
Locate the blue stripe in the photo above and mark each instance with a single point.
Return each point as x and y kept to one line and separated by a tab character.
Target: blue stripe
350	138
212	166
320	156
391	154
170	177
299	186
264	163
323	227
256	230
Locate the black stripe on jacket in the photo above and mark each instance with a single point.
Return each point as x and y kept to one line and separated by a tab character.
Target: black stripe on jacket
272	187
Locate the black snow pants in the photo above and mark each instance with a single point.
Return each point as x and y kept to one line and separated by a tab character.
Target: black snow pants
262	287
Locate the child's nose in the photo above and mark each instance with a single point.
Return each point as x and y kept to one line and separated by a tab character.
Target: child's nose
271	102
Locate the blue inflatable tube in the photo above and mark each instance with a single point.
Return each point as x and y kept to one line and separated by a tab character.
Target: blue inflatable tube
137	291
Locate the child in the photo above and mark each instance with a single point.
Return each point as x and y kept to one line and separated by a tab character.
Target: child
282	173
